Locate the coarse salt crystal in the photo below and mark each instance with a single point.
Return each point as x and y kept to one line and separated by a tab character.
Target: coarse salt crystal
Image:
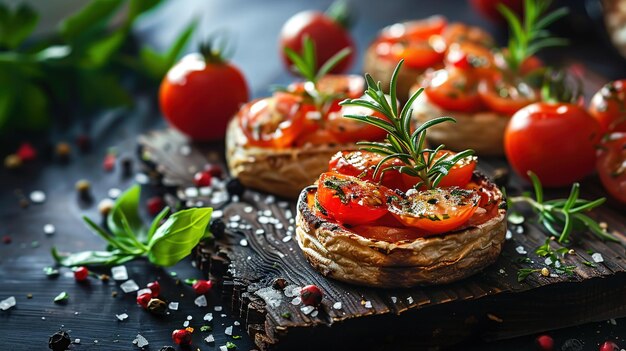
173	306
521	250
37	196
223	315
288	214
7	303
292	290
185	150
140	341
129	286
270	199
77	341
218	308
189	317
279	226
557	264
248	209
314	313
217	214
114	193
223	348
264	220
337	305
368	304
191	192
409	299
287	238
228	330
548	261
122	316
597	257
208	317
243	242
200	301
209	339
394	299
508	235
119	273
236	323
307	309
142	178
185	324
235	218
49	229
260	231
296	301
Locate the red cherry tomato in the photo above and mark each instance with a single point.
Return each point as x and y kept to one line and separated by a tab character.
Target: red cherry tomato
505	97
199	97
459	175
350	200
415	30
349	130
489	8
329	38
362	164
417	54
453	89
437	210
275	121
608	106
554	140
472	56
611	165
81	273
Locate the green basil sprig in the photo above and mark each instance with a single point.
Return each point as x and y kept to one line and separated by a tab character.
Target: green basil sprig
129	238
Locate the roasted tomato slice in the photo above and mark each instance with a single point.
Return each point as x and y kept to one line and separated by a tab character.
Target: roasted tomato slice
415	30
349	130
275	121
362	164
471	56
350	200
343	85
437	210
611	165
505	97
461	33
608	106
417	54
459	175
453	89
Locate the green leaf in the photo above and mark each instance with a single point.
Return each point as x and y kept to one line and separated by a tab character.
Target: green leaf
112	241
515	218
33	108
174	52
536	186
7	97
99	52
332	62
127	208
156	221
100	89
175	239
91	258
17	26
94	14
62	297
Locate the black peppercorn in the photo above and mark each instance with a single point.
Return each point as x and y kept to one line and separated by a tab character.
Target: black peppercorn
234	187
572	345
167	348
217	228
279	283
59	341
157	306
127	166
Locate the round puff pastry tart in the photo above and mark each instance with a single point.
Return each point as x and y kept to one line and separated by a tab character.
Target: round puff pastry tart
391	256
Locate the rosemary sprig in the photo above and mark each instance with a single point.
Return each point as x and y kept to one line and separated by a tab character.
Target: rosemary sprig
400	142
561	217
531	35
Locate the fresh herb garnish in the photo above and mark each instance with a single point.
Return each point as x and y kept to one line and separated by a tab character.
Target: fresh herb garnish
230	345
523	273
401	143
560	217
62	297
529	36
336	184
163	244
206	328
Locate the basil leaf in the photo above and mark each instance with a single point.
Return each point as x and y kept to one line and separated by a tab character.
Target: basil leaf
156	221
94	14
175	239
91	258
156	64
100	51
126	208
17	26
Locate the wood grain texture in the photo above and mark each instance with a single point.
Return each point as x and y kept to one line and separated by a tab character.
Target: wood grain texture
491	304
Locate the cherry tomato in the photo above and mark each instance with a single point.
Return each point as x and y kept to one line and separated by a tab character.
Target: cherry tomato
329	38
505	97
362	164
608	106
489	8
554	140
350	200
415	30
349	130
461	33
276	121
453	89
199	95
417	54
436	210
472	56
611	165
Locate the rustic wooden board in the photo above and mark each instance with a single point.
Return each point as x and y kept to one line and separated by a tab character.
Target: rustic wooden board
491	304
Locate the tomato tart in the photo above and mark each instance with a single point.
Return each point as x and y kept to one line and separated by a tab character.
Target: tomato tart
399	214
281	143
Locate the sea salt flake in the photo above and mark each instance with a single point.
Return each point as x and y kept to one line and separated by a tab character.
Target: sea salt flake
236	323
189	317
209	339
287	238
119	273
228	330
248	209
142	178
7	303
409	299
368	304
307	309
296	301
122	316
114	193
337	305
243	242
217	214
223	315
314	313
270	199
173	306
292	290
217	308
200	301
185	324
597	257
208	317
521	250
37	196
394	299
223	348
508	235
260	231
548	261
557	264
77	341
271	296
191	192
129	286
49	229
140	341
235	218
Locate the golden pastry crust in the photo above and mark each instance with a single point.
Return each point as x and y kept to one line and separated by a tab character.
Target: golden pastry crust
482	131
283	172
341	254
381	70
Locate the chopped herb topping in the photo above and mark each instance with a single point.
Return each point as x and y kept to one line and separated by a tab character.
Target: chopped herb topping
336	184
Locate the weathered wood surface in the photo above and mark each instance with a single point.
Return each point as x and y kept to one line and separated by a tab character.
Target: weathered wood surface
491	304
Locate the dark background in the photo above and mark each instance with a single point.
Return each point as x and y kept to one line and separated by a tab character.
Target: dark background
254	26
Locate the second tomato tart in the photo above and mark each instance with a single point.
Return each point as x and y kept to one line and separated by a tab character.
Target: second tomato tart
398	214
280	144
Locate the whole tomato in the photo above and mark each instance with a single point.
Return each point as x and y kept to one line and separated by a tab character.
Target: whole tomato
328	35
611	165
200	94
608	106
554	140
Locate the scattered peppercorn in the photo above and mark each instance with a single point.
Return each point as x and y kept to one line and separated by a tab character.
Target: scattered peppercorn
202	286
12	161
104	278
113	294
109	162
545	272
157	306
279	283
572	345
167	348
83	187
609	346
214	170
234	187
181	336
29	296
155	287
24	203
7	239
26	152
63	151
217	228
59	341
127	166
155	205
545	342
311	295
144	299
83	141
105	206
81	274
202	179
